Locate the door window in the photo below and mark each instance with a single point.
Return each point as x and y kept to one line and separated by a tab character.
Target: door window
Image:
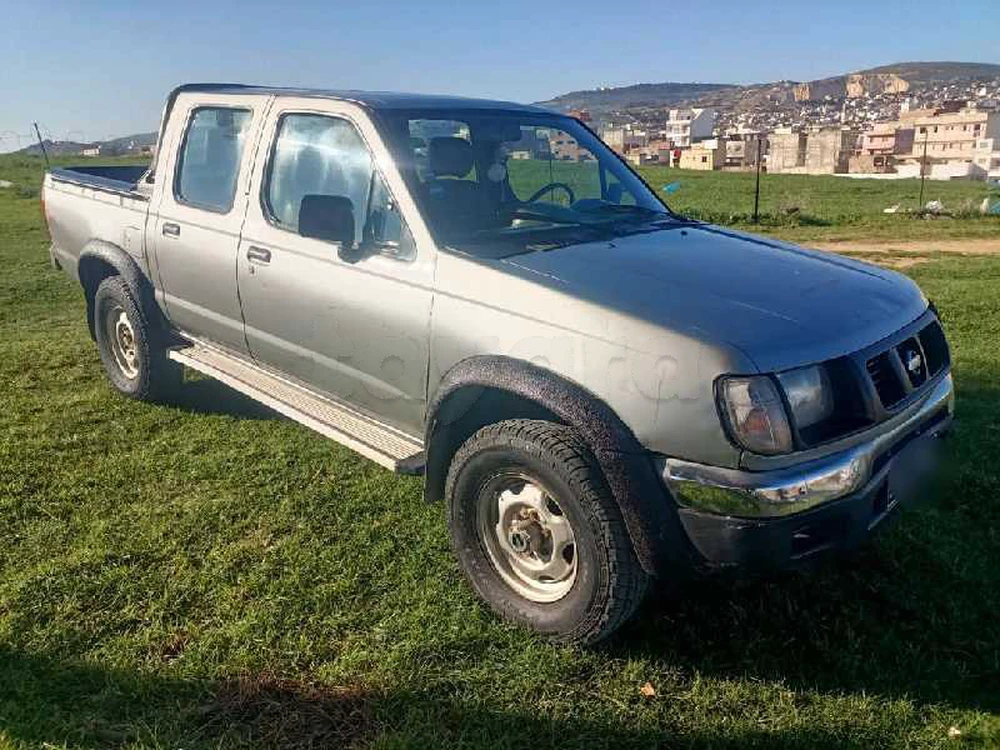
210	159
326	156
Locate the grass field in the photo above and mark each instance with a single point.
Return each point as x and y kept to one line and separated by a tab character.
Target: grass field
799	207
209	575
808	207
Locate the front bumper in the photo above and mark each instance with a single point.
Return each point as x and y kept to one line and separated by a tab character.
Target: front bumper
756	519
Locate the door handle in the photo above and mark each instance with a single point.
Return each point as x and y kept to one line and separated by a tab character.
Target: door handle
259	254
171	230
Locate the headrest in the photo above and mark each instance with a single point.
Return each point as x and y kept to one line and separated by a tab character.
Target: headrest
309	163
450	157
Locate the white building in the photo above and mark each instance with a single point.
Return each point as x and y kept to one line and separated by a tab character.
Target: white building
987	158
688	125
952	137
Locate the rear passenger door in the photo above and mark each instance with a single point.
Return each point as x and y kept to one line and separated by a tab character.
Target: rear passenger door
202	204
354	326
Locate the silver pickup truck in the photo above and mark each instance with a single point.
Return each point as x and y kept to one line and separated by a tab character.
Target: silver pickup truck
603	392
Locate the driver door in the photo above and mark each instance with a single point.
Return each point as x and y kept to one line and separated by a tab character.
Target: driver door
352	325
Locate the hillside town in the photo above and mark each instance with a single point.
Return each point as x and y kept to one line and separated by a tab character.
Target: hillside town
865	125
888	134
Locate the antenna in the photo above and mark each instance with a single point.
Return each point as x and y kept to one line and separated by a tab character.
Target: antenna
41	145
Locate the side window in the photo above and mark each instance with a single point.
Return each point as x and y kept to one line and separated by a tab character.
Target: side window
209	164
318	155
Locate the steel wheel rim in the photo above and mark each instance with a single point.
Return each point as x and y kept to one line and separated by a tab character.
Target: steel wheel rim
527	536
121	337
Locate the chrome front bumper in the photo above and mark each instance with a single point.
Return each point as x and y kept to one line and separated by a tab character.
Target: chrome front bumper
781	492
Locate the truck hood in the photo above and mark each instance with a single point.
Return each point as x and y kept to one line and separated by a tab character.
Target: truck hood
781	305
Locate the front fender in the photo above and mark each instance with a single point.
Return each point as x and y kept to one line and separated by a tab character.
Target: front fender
649	512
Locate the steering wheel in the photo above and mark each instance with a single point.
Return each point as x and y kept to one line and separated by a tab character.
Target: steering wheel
551	186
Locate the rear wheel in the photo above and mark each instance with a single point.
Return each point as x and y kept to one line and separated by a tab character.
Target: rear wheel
539	535
134	360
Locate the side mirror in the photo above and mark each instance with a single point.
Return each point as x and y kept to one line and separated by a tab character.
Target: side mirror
328	217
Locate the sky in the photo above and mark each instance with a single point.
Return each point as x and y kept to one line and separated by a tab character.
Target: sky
91	71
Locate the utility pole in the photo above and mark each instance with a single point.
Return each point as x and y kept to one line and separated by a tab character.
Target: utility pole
41	145
756	194
923	174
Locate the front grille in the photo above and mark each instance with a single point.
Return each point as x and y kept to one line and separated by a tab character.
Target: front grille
887	384
908	365
935	348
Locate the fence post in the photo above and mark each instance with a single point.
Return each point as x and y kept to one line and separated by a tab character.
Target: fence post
756	194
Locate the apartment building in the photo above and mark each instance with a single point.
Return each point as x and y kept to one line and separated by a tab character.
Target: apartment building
563	147
623	139
743	149
987	158
708	154
887	139
615	138
689	125
879	148
949	136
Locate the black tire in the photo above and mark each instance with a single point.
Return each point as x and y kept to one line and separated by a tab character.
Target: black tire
155	376
609	583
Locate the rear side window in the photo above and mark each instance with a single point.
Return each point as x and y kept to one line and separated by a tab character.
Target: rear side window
210	158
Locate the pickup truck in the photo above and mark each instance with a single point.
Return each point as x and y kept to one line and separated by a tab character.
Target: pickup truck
603	392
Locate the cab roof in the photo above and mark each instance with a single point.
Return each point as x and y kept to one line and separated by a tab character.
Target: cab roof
376	100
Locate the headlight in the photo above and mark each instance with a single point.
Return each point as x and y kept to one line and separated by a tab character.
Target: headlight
809	394
755	414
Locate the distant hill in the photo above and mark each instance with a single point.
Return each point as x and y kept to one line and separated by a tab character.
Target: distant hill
57	148
108	148
638	95
895	78
938	71
137	139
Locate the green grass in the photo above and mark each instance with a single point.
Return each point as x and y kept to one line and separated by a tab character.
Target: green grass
806	207
208	575
797	207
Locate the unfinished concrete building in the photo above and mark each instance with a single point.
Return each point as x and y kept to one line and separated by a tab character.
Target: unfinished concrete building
786	151
828	150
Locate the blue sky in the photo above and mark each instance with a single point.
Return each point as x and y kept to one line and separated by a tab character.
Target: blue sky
94	70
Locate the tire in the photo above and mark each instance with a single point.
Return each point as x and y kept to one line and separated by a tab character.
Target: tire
549	461
139	368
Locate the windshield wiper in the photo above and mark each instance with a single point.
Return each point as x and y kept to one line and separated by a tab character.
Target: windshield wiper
562	218
618	208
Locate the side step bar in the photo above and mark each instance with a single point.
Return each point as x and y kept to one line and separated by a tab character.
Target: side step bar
381	443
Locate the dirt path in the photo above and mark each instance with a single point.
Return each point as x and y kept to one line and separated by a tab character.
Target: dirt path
989	246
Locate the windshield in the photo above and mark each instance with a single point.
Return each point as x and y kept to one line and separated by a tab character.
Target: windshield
500	183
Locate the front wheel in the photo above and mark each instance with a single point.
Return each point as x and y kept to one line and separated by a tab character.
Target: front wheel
539	535
135	362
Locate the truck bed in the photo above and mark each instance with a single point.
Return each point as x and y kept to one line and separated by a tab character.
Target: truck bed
94	203
119	178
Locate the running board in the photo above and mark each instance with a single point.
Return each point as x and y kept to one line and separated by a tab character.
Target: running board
381	443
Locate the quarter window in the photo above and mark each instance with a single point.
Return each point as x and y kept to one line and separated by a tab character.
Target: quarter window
210	159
